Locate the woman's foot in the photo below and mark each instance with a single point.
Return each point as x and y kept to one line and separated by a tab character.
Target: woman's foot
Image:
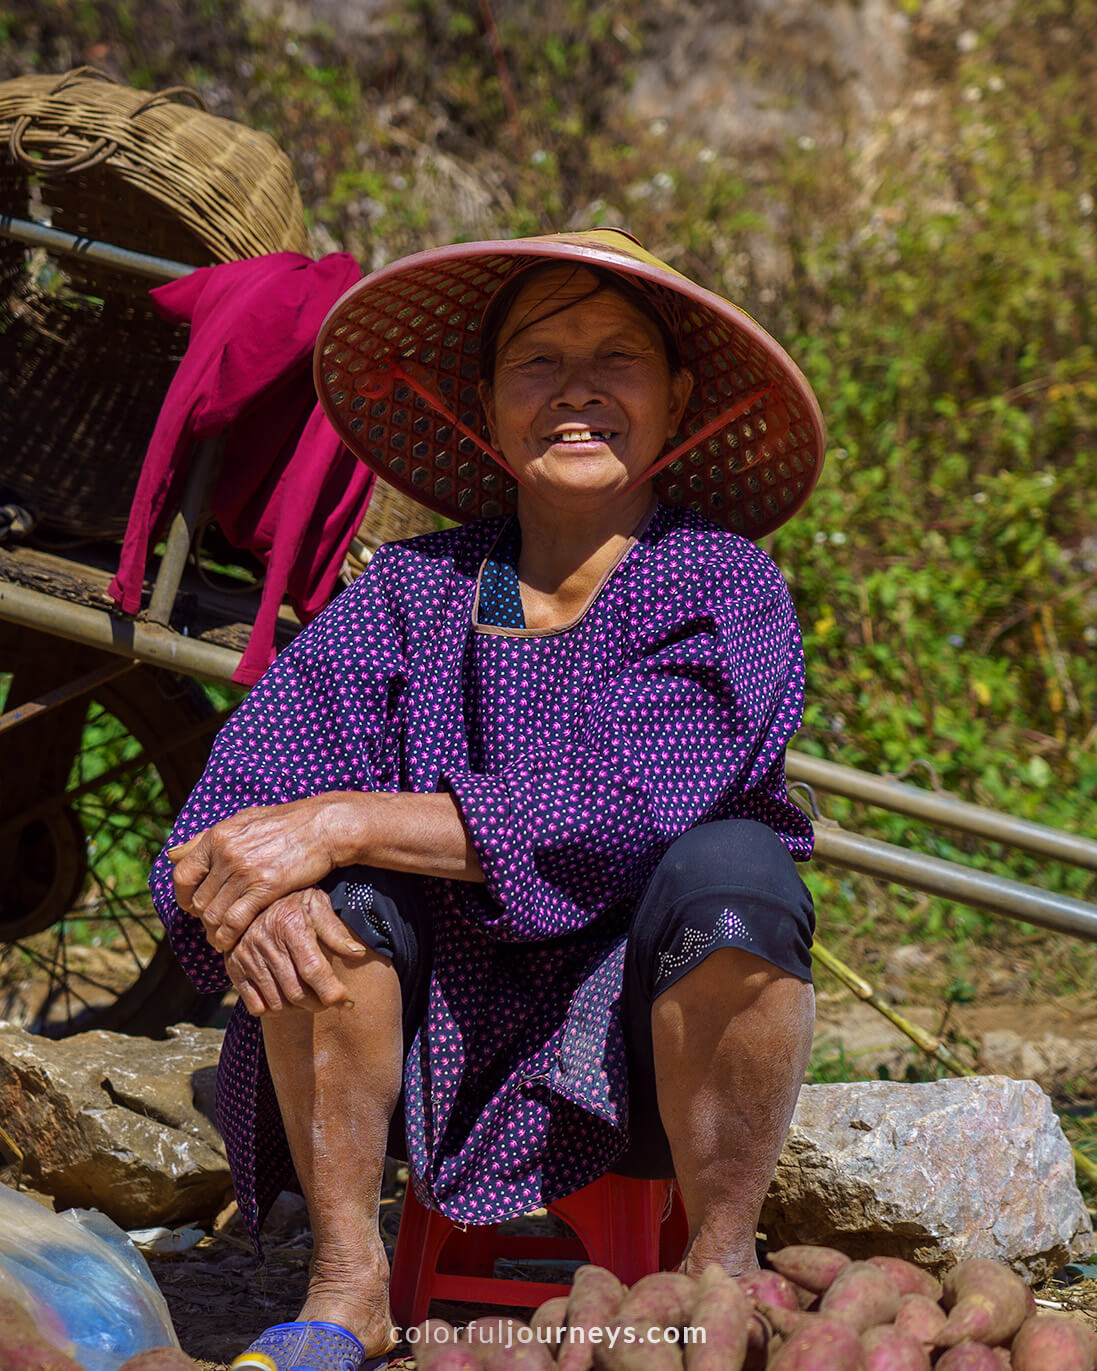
353	1293
737	1260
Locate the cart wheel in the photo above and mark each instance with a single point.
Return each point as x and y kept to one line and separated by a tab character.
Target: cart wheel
94	787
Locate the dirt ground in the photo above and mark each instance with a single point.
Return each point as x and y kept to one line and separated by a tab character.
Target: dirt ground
1032	997
220	1297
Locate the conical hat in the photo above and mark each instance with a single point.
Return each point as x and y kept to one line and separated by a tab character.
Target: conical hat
397	366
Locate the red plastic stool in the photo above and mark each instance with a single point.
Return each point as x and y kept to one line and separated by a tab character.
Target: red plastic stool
617	1222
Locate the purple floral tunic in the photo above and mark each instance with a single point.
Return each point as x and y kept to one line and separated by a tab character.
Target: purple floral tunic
576	755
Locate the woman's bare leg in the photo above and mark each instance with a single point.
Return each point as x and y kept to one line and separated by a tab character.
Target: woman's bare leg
337	1077
731	1042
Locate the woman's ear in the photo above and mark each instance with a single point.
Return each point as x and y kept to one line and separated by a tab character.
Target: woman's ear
487	404
681	388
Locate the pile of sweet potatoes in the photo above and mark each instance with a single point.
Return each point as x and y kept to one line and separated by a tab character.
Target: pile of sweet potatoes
813	1310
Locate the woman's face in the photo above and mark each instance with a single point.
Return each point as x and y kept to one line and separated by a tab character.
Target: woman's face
583	398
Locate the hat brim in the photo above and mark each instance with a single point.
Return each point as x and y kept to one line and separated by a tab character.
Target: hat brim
411	330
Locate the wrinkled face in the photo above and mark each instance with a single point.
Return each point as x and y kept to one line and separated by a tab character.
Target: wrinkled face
583	398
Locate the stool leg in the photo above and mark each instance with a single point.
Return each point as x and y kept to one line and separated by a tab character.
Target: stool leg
419	1242
674	1234
617	1219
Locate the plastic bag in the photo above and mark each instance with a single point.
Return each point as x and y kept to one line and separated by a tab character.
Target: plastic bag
83	1282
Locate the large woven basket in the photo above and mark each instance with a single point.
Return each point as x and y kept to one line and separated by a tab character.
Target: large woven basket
85	361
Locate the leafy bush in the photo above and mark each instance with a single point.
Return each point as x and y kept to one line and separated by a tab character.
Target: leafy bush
937	282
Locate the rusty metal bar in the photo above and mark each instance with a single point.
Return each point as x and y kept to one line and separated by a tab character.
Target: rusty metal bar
941	808
951	881
37	235
60	695
127	637
184	525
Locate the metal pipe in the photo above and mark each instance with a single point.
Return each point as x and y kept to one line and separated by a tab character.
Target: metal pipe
184	525
56	240
33	709
146	642
951	881
941	808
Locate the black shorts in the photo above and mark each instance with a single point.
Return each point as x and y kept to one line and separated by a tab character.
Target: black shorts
730	883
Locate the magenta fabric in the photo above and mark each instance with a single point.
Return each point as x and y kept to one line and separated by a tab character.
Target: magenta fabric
288	490
577	757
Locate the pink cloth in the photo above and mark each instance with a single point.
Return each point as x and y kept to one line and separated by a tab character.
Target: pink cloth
288	491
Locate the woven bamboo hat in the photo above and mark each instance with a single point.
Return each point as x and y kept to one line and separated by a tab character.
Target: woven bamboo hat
397	366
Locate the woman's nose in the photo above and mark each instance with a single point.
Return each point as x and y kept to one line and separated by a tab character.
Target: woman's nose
577	384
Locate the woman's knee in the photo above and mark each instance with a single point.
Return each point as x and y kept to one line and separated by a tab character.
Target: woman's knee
730	852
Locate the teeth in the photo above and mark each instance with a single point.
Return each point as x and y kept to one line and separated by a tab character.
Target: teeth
580	435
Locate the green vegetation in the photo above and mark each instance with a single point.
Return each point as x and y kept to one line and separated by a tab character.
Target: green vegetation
937	282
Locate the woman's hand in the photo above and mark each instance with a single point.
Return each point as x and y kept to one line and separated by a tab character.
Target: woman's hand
283	959
240	866
229	873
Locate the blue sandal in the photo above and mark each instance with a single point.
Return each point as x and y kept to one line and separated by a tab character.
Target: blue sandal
312	1346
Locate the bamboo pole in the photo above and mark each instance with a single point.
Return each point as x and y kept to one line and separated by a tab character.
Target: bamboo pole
928	1043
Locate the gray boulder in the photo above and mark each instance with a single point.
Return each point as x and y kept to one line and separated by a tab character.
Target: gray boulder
109	1122
935	1173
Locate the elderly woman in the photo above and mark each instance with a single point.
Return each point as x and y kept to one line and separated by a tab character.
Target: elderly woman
499	854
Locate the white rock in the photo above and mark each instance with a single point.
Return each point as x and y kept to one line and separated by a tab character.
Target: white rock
935	1173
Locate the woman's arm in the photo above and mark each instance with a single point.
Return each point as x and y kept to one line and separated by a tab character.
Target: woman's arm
325	718
230	872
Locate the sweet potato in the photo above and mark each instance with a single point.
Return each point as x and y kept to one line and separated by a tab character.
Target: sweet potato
495	1338
987	1303
815	1268
862	1295
772	1288
922	1318
433	1342
453	1356
822	1344
663	1300
1054	1342
22	1346
759	1337
635	1345
159	1359
910	1279
593	1302
781	1320
888	1348
718	1320
969	1356
528	1356
548	1321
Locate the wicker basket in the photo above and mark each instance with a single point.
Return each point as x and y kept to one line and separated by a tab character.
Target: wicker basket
85	361
393	515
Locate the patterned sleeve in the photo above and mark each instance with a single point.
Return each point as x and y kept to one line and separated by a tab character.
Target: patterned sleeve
695	729
324	717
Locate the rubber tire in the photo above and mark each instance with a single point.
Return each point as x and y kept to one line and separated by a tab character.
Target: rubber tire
152	705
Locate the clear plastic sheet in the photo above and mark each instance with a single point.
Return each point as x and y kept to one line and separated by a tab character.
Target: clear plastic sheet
83	1281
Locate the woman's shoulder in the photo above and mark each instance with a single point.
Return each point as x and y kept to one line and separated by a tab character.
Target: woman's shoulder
411	567
685	547
460	547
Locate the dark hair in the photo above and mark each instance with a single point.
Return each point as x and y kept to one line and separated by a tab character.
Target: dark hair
647	299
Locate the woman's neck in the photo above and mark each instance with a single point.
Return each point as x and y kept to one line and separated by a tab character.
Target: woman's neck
566	554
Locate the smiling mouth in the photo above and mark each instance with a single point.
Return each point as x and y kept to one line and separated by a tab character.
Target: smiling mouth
584	435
